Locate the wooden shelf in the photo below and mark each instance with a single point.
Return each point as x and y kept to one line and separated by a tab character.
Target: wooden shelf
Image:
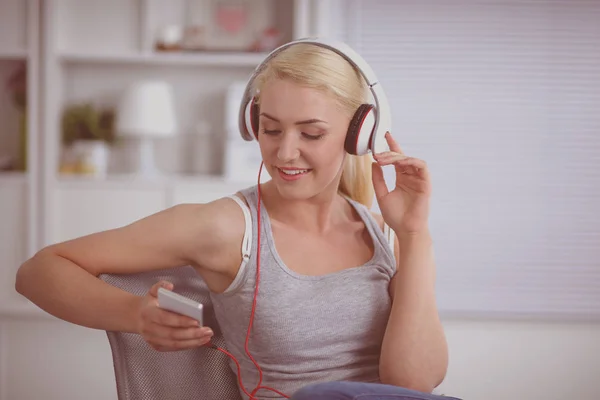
14	54
184	59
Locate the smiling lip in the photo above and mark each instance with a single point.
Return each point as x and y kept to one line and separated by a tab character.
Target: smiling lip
292	177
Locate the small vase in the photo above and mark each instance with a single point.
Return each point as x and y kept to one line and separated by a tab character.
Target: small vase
92	157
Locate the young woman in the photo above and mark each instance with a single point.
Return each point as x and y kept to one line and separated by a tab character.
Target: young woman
346	306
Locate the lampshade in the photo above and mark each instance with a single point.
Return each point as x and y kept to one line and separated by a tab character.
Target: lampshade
147	109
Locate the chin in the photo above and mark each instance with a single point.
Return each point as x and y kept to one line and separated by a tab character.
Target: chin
301	189
295	191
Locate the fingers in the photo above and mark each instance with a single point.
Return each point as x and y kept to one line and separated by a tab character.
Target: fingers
169	344
153	314
403	164
379	184
154	289
165	338
395	158
392	144
168	333
174	320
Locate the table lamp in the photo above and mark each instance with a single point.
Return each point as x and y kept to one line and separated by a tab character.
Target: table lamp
147	112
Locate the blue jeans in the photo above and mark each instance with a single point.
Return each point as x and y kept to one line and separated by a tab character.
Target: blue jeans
361	391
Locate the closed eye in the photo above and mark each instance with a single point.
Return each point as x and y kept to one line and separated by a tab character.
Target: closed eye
312	137
271	132
305	135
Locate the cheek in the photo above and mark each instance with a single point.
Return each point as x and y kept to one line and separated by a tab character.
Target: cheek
266	146
330	157
268	152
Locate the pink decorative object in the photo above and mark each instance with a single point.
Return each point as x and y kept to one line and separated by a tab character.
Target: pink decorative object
267	40
231	17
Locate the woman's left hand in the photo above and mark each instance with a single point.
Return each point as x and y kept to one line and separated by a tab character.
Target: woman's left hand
406	208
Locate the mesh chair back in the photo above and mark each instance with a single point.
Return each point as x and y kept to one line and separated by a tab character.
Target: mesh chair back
143	373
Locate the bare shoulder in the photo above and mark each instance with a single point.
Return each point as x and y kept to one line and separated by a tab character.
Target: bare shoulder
216	233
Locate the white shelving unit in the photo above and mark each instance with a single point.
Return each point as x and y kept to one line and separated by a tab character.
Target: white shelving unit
19	187
86	61
89	52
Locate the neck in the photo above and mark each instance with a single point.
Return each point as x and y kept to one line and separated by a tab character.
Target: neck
318	214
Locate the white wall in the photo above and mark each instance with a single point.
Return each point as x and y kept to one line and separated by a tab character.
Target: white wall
490	360
500	360
55	361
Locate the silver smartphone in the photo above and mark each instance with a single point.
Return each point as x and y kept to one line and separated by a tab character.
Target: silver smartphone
179	304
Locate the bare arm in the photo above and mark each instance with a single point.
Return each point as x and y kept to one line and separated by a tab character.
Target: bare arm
414	353
63	278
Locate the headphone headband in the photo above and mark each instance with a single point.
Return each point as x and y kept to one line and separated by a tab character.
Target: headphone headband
383	120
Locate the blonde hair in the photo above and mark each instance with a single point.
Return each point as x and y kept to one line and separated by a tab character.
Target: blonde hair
322	69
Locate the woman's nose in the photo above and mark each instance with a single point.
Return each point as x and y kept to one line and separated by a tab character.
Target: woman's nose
288	148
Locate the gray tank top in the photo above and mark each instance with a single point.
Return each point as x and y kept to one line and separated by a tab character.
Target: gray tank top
306	329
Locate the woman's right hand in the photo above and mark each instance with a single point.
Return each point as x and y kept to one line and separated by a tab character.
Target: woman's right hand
167	331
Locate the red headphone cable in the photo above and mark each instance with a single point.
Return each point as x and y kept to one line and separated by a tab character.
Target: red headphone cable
254	300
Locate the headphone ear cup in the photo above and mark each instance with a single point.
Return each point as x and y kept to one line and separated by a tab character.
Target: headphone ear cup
360	130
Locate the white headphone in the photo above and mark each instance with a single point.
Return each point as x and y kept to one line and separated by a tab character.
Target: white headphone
367	128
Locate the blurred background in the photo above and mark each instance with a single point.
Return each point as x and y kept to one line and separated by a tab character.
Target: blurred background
112	110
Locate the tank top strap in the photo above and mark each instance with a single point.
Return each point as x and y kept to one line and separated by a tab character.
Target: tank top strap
250	241
382	238
250	194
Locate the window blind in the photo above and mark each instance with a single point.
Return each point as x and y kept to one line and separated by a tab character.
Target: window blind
502	99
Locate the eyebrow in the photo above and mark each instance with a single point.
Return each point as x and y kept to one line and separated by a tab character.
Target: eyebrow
305	122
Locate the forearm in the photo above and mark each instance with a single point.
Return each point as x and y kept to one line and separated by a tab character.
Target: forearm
68	292
414	351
